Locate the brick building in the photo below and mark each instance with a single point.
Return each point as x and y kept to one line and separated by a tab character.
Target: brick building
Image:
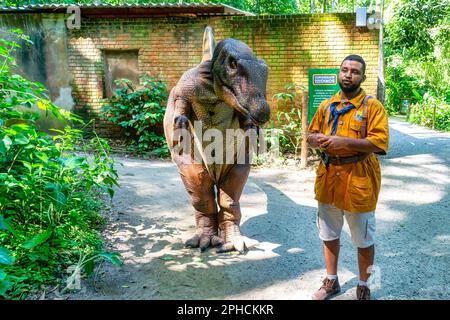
79	65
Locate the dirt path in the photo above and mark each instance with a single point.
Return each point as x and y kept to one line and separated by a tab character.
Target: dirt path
151	217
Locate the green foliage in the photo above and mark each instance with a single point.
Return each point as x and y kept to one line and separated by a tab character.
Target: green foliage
430	107
409	32
417	51
399	85
6	257
49	186
140	112
289	119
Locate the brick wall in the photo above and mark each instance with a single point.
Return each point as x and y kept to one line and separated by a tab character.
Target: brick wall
168	46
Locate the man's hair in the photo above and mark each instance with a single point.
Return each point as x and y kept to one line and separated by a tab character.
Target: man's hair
355	57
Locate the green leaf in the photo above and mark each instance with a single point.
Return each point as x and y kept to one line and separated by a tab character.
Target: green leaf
74	162
27	165
21	139
37	239
4	225
43	157
89	267
167	258
6	143
58	194
6	257
112	257
2	147
20	126
110	192
417	95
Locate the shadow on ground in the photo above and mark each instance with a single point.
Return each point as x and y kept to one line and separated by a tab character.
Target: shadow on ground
152	218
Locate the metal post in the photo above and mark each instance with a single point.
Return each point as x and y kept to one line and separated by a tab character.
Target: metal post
381	90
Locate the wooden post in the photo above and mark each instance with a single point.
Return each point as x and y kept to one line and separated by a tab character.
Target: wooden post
434	116
304	150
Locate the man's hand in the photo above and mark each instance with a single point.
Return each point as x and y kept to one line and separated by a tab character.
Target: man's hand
336	144
313	139
333	144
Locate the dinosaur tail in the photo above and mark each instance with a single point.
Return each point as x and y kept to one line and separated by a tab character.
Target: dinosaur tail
209	44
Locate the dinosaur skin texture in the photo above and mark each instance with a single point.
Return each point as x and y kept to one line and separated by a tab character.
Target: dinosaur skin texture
226	92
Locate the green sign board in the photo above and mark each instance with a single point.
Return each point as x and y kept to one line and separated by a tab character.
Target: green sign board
323	83
405	106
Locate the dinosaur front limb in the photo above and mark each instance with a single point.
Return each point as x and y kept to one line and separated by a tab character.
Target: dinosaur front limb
182	111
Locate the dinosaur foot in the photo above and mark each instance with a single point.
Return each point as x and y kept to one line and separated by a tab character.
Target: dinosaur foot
237	245
233	240
203	241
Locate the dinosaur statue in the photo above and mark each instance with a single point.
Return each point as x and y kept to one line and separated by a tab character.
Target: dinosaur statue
227	90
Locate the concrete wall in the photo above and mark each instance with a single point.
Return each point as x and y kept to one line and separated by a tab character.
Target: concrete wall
46	59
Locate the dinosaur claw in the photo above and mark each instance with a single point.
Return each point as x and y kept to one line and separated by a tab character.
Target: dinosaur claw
216	241
204	243
226	247
192	242
239	245
236	245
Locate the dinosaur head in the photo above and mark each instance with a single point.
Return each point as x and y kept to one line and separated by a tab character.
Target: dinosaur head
240	79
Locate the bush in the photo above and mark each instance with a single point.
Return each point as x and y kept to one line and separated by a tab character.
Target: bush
423	113
49	189
399	85
417	51
140	112
289	119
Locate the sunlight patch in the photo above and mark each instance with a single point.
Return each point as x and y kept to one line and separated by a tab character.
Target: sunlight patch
295	250
389	215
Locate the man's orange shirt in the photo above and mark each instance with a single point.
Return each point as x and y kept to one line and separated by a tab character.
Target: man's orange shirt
353	187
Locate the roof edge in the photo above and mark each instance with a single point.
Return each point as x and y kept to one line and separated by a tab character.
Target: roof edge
150	8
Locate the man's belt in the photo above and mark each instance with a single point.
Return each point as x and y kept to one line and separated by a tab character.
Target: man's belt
337	160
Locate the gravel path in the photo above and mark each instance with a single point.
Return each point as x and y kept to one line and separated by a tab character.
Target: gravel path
151	217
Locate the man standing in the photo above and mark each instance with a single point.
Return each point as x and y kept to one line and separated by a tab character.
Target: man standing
349	129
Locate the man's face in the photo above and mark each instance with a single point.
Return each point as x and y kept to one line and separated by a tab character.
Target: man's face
351	76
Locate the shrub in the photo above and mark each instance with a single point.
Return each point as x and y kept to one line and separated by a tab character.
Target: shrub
49	188
140	112
424	111
289	119
399	85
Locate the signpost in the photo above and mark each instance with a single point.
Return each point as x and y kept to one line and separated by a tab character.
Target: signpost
404	108
322	84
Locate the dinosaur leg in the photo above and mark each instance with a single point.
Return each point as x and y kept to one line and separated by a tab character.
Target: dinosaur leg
229	193
200	187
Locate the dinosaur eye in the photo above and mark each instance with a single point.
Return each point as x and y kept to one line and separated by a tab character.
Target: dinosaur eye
233	63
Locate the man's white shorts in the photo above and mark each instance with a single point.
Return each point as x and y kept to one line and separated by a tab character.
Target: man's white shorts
331	219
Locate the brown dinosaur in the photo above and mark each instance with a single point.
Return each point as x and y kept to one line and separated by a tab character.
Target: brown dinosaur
227	90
